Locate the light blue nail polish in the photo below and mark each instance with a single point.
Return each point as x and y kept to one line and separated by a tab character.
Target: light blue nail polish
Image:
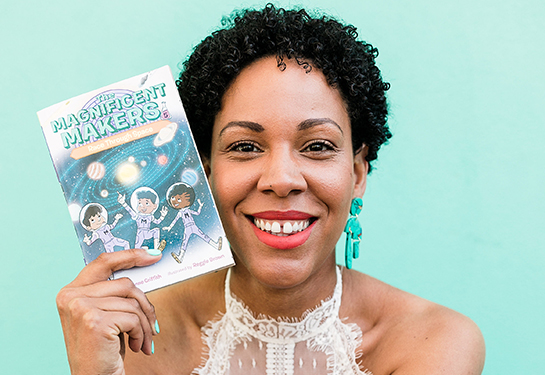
157	327
152	347
153	252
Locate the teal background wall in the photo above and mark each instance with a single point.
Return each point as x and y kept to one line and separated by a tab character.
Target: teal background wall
454	211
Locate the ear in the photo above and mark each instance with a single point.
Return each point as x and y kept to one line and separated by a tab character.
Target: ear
206	165
361	168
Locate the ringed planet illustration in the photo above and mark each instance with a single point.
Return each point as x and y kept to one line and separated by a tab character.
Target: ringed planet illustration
165	135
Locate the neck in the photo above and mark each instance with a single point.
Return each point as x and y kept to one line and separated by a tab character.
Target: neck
281	300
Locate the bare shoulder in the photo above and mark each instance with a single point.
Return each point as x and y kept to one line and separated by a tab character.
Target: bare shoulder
182	310
405	334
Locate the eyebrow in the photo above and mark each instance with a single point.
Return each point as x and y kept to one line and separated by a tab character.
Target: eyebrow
253	126
311	122
303	125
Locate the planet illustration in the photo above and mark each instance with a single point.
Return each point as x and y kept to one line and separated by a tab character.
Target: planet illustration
162	159
127	173
165	135
104	193
96	170
190	177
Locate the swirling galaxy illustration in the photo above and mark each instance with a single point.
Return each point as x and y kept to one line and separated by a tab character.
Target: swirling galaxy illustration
137	164
156	161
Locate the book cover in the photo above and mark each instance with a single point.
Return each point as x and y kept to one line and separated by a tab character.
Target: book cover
132	178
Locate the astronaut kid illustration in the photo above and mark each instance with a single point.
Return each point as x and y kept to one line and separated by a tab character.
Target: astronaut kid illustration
181	196
144	203
94	218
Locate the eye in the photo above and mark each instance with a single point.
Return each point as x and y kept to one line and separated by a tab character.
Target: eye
319	147
244	147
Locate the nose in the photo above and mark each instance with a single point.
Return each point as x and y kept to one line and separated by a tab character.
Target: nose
282	174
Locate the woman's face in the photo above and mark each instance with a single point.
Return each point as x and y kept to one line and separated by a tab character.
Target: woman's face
282	170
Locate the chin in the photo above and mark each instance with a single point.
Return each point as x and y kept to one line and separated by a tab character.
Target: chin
281	271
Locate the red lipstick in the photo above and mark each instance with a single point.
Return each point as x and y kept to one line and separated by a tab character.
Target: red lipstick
283	242
282	215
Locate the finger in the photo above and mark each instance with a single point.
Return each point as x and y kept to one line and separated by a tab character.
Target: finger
127	305
102	267
137	339
95	309
124	322
122	345
121	289
95	326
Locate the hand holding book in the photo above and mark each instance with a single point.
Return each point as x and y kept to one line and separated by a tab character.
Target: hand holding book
97	312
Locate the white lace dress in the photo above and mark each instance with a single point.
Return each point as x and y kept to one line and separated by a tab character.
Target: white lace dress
319	343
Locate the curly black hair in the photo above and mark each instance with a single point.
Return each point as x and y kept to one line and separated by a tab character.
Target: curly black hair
320	42
181	188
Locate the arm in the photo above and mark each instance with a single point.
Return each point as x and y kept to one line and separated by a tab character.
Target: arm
122	201
116	220
89	240
199	209
173	222
96	314
164	212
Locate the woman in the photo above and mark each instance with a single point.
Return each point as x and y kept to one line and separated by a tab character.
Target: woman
288	111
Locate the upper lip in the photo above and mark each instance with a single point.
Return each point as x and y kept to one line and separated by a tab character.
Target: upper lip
282	215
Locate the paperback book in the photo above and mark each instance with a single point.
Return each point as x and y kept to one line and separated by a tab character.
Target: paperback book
132	178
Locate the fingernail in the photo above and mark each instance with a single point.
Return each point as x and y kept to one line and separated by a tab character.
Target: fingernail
152	347
153	252
157	327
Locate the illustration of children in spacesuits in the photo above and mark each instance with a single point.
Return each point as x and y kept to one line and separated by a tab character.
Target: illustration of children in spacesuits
181	196
94	218
144	203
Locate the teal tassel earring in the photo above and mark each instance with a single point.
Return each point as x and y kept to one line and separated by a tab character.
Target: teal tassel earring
353	233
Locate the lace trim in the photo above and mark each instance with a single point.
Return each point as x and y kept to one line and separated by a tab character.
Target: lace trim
320	327
279	330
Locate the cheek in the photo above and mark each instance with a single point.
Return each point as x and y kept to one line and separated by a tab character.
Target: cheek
335	185
230	185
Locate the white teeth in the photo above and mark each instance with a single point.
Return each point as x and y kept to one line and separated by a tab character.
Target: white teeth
287	228
275	227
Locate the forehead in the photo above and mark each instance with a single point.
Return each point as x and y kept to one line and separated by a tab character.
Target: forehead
264	94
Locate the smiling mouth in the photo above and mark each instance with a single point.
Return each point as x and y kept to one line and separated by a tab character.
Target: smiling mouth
281	227
283	230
